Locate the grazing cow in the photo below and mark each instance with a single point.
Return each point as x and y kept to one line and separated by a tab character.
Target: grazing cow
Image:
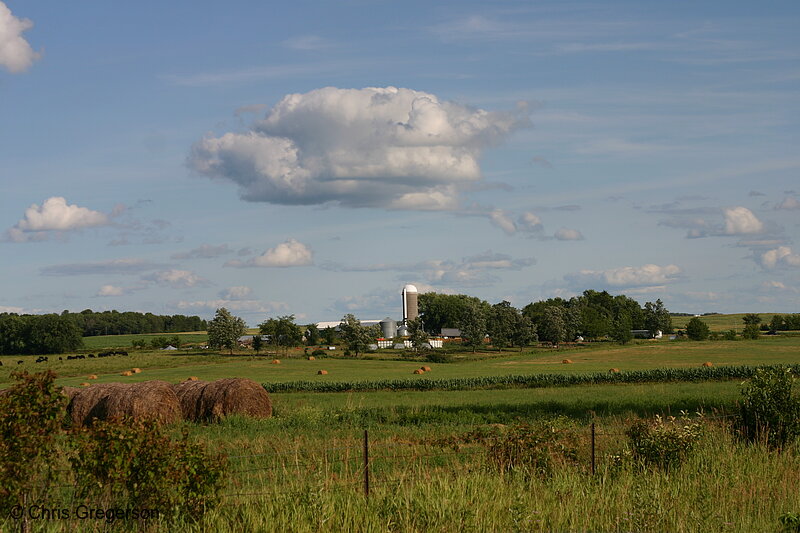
20	362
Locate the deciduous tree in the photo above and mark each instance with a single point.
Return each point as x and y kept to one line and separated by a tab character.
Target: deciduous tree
225	329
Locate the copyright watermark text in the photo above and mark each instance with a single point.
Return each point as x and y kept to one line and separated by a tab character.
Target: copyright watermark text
82	512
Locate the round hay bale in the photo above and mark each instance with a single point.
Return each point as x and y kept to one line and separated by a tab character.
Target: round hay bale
87	404
312	358
126	373
276	362
566	362
92	376
426	369
191	378
323	372
151	400
419	371
614	370
69	392
708	364
234	396
136	370
188	393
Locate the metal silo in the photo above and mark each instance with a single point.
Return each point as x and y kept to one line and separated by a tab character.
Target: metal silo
410	306
388	328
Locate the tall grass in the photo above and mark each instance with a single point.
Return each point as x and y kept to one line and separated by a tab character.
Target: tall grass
725	486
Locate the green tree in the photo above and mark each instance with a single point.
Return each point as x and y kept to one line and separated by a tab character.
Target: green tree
553	328
751	318
312	335
329	336
472	325
283	332
503	321
225	329
416	334
445	310
53	334
524	334
258	343
751	329
621	328
697	330
657	318
775	324
354	335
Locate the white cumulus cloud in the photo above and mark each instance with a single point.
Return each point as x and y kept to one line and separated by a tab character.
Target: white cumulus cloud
789	203
54	215
178	279
628	276
287	254
377	146
567	234
110	290
741	221
236	293
16	54
529	222
778	257
499	218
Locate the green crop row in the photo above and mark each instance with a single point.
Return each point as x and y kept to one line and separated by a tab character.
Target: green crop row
658	375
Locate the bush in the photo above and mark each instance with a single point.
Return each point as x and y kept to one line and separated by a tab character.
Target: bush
532	450
663	443
133	464
770	411
697	330
439	357
32	413
319	352
729	335
751	332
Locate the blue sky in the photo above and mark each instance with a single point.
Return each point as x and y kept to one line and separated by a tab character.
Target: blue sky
314	157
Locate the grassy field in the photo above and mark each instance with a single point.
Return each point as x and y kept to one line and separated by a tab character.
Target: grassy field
302	470
720	322
599	357
104	342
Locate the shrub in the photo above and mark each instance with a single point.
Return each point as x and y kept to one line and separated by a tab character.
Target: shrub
697	330
663	443
319	352
439	357
133	464
770	411
32	413
729	335
158	343
751	332
532	450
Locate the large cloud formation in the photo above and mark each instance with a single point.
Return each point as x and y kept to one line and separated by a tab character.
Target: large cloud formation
629	276
287	254
386	147
16	54
54	215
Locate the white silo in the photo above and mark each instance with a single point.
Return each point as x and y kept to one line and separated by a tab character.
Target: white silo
410	306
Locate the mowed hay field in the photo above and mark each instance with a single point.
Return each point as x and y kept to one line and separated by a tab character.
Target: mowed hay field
721	322
594	357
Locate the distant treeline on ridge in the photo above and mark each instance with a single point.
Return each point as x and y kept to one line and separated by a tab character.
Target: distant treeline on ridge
53	333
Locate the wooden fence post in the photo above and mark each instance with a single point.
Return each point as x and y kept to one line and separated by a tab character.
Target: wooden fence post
593	453
366	463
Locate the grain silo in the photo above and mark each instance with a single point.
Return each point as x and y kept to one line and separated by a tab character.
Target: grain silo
388	328
410	306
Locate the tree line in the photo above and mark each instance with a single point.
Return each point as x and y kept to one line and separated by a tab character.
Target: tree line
592	315
54	333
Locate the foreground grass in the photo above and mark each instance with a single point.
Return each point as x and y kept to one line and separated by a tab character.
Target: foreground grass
726	486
